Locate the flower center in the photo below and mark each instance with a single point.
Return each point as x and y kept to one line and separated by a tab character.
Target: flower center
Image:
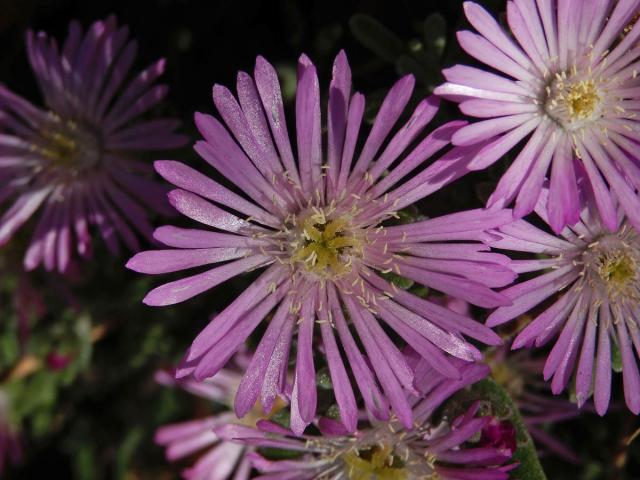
613	263
323	245
69	146
617	268
378	462
573	103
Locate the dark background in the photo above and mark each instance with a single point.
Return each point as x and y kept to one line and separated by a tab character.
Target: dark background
98	422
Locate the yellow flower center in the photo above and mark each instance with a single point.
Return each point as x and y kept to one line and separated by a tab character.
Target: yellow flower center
68	145
582	99
376	463
611	265
617	269
59	148
572	103
323	245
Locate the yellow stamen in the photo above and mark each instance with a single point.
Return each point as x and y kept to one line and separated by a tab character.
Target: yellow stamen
325	244
378	462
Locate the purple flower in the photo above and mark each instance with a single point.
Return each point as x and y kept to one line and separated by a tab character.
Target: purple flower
448	449
595	271
75	160
222	460
517	373
500	435
58	361
326	232
571	82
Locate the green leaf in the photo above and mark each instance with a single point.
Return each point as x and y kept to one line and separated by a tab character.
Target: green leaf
333	412
85	462
616	358
279	454
407	64
281	417
399	281
127	450
376	37
505	408
323	379
9	347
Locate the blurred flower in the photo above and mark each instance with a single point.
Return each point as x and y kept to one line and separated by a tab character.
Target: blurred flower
596	272
222	459
57	361
462	448
571	79
10	444
325	233
75	160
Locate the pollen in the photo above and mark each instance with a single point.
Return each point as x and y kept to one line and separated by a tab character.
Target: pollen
325	246
582	99
573	100
378	462
611	266
617	269
67	145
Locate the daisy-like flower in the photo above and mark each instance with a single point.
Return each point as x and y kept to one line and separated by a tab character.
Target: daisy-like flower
75	159
222	460
570	87
596	273
449	449
322	227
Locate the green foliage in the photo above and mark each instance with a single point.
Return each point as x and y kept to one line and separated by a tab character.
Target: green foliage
420	56
376	37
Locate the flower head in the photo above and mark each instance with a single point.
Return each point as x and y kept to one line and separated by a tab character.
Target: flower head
468	446
222	459
595	273
326	233
75	159
570	78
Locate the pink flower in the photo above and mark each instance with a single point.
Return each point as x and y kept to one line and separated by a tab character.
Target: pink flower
58	361
567	84
75	160
448	449
222	460
591	275
324	232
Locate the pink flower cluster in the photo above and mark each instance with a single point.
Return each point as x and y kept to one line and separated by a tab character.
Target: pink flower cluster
318	213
